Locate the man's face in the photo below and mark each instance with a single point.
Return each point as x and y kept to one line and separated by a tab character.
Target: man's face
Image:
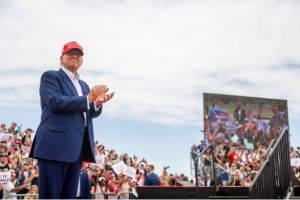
3	127
148	169
208	177
72	59
3	159
2	149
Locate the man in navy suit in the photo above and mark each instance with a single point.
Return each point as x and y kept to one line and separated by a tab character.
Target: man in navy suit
208	181
65	136
151	179
84	186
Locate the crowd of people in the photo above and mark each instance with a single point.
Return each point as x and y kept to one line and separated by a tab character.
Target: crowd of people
234	164
102	179
14	152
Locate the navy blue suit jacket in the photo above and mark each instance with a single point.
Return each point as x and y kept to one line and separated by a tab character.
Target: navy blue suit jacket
60	133
151	180
85	186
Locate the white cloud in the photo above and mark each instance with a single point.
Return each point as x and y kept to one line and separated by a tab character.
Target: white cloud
159	56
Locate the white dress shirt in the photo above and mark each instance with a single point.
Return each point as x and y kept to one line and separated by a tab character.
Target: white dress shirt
208	182
75	81
78	194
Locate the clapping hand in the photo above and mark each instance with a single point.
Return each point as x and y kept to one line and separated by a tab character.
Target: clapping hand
103	98
96	91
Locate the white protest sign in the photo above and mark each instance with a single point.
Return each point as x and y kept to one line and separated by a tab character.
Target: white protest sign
100	160
295	162
119	167
129	171
4	178
134	192
5	136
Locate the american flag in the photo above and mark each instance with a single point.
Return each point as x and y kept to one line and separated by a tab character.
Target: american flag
213	119
261	109
249	110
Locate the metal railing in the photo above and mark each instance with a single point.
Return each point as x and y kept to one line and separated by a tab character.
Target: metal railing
21	196
104	195
213	169
192	161
269	148
274	177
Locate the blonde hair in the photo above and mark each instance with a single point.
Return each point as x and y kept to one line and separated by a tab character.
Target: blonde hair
34	187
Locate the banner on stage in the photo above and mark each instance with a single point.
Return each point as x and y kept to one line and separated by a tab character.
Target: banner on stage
129	171
119	167
5	136
295	162
4	177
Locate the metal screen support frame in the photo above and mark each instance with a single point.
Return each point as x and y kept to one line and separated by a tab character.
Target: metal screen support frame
213	169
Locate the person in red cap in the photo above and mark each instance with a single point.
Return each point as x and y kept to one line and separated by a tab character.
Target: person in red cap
233	155
3	128
239	114
65	136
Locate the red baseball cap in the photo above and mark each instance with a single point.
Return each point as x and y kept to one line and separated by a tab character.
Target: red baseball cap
3	125
245	163
233	148
71	45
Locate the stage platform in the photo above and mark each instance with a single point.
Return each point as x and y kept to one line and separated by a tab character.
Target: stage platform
182	192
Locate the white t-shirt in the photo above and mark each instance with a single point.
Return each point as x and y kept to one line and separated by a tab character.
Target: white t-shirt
7	188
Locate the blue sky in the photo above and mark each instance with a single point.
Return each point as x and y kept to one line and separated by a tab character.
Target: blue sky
159	57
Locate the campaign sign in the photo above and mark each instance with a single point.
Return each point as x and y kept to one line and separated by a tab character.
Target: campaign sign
100	160
129	171
4	177
5	136
119	167
295	162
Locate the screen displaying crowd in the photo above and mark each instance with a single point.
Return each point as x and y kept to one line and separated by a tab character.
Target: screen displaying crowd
103	177
248	121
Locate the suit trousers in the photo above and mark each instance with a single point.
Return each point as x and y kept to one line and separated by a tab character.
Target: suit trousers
59	180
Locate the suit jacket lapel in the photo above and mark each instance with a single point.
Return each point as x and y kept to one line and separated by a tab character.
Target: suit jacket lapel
68	82
85	91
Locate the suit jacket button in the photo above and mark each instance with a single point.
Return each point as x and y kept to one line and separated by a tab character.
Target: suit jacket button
83	120
81	133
